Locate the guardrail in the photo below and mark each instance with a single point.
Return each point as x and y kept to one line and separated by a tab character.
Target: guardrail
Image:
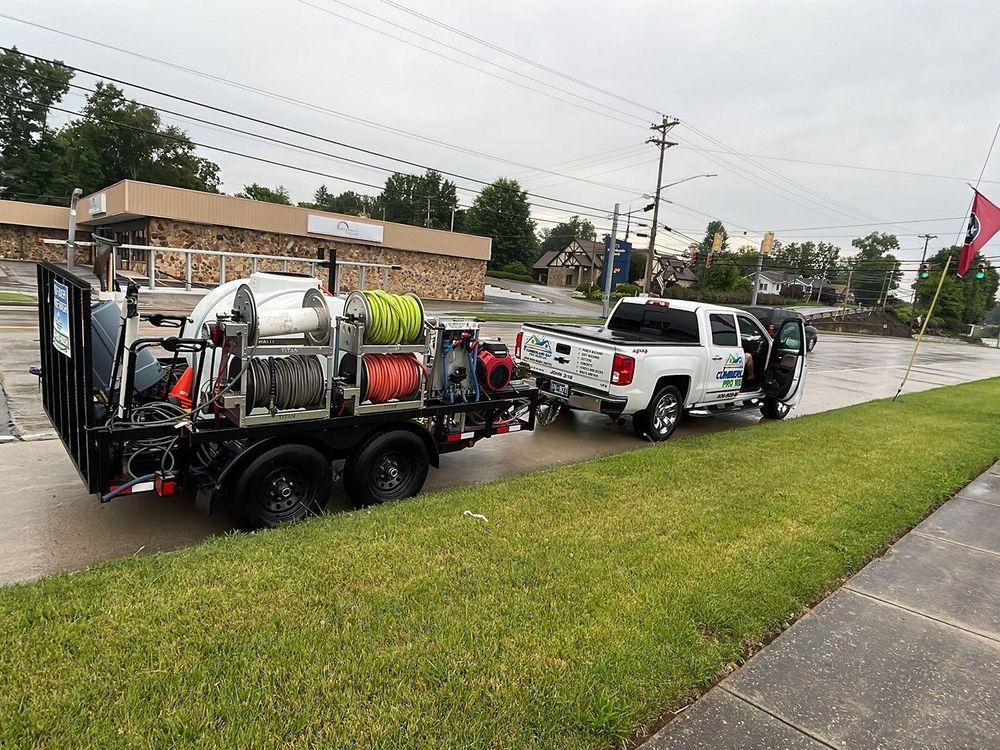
841	312
311	264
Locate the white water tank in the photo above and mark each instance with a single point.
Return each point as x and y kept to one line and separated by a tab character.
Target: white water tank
272	292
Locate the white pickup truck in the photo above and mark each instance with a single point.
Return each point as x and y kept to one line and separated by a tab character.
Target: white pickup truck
655	359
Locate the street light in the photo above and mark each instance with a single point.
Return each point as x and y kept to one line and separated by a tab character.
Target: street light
678	182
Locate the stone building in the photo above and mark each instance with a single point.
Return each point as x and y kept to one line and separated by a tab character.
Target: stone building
435	264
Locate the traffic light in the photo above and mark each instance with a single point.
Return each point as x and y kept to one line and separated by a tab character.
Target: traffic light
693	260
924	271
765	244
981	271
716	246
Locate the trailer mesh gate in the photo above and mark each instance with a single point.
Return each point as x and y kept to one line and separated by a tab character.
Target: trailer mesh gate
64	302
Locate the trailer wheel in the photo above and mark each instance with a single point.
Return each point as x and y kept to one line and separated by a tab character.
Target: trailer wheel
390	466
282	485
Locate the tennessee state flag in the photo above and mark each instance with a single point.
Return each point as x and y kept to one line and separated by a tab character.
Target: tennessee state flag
983	224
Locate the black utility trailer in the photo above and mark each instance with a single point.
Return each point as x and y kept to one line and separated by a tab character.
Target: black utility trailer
266	474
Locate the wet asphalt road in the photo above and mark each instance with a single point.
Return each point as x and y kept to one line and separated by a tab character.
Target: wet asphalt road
49	523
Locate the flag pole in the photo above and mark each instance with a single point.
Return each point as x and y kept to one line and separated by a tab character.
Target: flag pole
920	336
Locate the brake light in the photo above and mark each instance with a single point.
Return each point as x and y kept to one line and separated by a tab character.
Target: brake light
658	302
622	370
517	344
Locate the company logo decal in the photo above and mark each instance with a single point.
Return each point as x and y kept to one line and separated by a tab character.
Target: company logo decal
538	345
731	375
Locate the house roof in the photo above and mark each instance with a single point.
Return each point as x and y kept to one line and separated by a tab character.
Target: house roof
546	258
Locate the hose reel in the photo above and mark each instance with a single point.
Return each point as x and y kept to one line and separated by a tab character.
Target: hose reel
312	319
387	318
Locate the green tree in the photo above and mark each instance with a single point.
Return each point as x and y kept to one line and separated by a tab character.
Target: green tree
501	211
561	234
725	274
874	268
117	138
265	194
962	300
29	152
405	199
349	202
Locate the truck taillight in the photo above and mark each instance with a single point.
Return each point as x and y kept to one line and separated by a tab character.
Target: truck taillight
517	344
622	370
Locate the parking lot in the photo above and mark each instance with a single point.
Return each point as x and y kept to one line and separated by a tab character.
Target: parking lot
49	523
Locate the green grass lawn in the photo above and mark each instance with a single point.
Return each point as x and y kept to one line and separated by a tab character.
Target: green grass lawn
17	298
595	596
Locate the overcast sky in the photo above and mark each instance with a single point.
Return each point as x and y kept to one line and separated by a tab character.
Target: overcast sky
910	86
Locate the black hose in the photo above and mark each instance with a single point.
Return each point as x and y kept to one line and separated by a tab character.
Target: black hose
294	382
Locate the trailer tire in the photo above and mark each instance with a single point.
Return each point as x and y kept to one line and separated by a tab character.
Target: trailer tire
391	466
284	484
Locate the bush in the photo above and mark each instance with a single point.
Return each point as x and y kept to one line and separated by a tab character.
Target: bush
516	267
512	276
584	287
625	290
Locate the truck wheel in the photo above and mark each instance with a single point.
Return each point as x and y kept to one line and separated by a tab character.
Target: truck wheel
284	484
390	466
659	420
772	409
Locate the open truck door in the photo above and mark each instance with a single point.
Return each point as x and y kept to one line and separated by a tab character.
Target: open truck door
786	365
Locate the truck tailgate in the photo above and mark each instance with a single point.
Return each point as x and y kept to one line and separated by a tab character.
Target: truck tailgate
561	354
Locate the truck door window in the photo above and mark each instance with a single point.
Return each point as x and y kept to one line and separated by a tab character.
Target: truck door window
656	321
723	330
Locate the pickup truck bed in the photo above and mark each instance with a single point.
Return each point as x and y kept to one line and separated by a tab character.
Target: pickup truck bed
606	335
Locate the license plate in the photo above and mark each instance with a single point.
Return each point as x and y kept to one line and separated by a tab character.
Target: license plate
559	389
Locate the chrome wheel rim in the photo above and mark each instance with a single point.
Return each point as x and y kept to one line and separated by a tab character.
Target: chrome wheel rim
665	414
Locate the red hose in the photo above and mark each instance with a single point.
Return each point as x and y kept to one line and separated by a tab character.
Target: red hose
391	376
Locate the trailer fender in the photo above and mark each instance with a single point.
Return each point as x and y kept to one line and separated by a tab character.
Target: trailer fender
207	495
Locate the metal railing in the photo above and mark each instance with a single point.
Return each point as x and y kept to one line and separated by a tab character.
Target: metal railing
312	264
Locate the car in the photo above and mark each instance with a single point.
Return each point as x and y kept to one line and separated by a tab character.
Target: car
773	317
655	360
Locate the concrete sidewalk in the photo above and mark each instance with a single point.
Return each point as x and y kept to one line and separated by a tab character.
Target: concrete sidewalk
905	655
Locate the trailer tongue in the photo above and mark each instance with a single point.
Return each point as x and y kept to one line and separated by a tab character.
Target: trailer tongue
270	389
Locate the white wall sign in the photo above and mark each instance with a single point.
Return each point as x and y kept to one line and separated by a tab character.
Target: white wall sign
98	204
352	230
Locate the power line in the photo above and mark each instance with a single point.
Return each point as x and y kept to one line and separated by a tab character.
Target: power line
465	64
274	95
840	166
516	56
294	131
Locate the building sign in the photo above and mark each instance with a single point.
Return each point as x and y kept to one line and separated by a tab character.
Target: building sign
60	317
98	204
623	259
352	230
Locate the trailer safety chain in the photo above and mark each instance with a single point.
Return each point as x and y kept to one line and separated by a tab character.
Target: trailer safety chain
395	318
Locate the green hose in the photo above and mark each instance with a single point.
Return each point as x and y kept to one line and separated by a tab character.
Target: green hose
395	318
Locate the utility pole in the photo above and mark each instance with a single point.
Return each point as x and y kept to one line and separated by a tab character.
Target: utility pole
765	248
885	288
609	265
71	232
926	238
427	222
661	140
452	220
847	291
923	258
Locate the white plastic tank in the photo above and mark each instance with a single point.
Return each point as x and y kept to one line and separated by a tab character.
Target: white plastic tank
272	292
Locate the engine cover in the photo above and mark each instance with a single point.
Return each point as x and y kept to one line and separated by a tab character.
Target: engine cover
494	366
